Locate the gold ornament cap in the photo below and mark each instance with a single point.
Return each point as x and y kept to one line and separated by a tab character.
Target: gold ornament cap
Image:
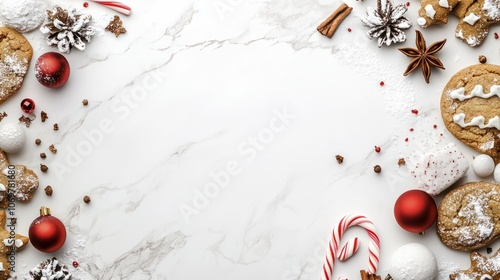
45	211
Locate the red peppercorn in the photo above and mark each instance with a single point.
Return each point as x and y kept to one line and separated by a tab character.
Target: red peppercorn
349	29
411	129
382	83
85	4
414	111
406	139
435	126
377	149
496	35
408	4
75	264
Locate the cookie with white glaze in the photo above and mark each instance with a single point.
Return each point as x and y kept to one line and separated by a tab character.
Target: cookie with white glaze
469	216
470	108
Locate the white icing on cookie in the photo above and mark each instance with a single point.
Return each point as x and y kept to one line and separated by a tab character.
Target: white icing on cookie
429	10
478	91
421	21
444	3
471	19
477	121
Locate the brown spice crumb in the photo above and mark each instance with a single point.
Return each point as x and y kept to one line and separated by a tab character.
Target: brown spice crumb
44	116
85	102
489	250
401	161
53	149
388	277
44	168
86	199
339	158
25	120
3	115
48	190
368	276
56	127
377	168
482	59
43	155
38	141
13	221
116	26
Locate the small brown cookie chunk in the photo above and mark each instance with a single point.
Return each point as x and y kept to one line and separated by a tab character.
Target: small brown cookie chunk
368	276
20	181
470	107
15	57
482	268
469	216
475	20
435	11
8	244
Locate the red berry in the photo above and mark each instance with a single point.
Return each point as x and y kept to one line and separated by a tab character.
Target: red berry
382	83
414	111
406	139
75	264
435	126
349	29
377	149
407	4
28	105
85	4
496	35
411	129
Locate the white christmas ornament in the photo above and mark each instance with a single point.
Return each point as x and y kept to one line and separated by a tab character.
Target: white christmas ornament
413	262
12	137
483	165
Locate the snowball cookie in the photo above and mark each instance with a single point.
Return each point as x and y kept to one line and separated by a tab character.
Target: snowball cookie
12	137
483	165
496	174
22	15
413	261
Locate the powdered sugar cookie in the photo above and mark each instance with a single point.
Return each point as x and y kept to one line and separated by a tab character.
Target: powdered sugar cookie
470	107
469	216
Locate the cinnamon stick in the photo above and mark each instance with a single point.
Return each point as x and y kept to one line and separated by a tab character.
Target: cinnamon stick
330	25
368	276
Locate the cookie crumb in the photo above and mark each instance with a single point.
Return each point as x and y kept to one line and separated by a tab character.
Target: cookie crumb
43	155
2	115
25	120
85	102
339	158
53	149
86	199
44	116
56	127
489	250
38	141
377	169
401	161
44	168
48	190
482	59
116	26
388	277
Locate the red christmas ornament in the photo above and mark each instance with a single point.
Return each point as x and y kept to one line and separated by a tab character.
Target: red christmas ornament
47	233
52	70
28	105
415	211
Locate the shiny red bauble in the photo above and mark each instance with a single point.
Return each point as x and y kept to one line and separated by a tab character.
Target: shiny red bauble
28	105
415	211
52	70
47	233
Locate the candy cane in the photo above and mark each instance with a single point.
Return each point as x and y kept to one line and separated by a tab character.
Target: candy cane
349	249
333	245
117	6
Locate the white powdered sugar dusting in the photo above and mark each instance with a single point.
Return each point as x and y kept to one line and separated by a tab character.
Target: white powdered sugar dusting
12	71
481	225
24	16
492	8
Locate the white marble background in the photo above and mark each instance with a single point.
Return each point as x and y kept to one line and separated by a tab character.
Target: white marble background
208	145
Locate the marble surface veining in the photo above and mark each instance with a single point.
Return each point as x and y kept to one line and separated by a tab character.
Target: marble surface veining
208	145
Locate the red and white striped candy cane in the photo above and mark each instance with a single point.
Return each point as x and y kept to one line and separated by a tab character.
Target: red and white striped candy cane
117	6
338	232
349	249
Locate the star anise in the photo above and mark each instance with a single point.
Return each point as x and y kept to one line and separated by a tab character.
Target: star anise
423	56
